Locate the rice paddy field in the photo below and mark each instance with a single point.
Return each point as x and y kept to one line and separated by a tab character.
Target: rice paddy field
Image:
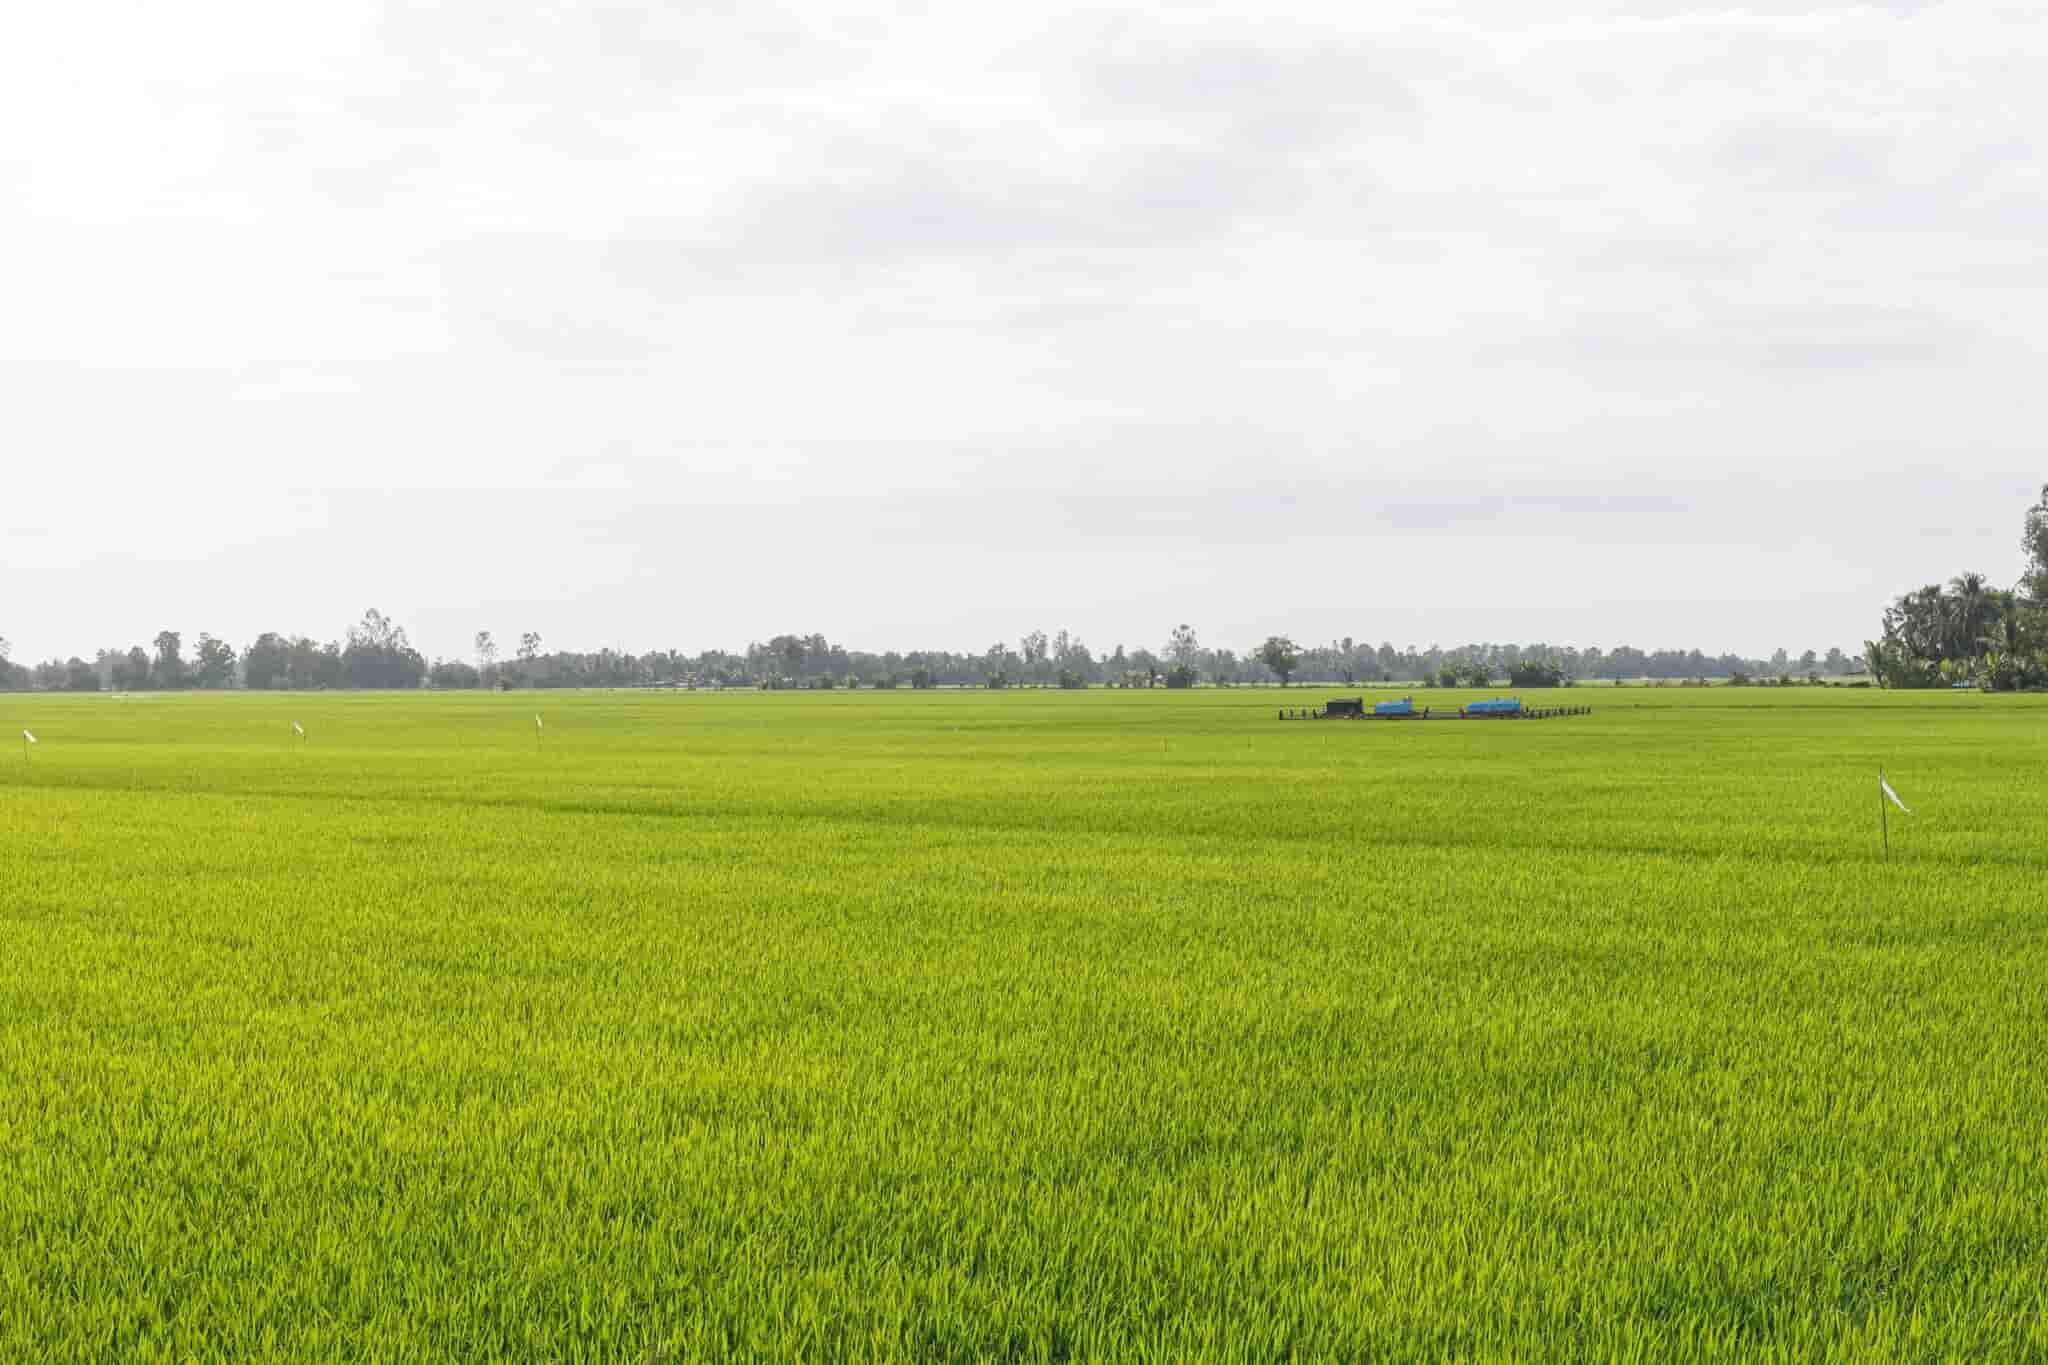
1021	1026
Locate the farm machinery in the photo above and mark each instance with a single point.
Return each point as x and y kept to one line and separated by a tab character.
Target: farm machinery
1497	708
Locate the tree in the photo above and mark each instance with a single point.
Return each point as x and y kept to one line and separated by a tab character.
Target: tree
2034	543
1997	671
2005	629
266	663
1281	655
308	664
2013	646
529	646
131	670
453	673
1892	665
793	652
1536	673
1916	626
486	651
170	667
1970	595
1949	632
1033	647
7	649
379	655
1182	647
63	675
216	664
1072	657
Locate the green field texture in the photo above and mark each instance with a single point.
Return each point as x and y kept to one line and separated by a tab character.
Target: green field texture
1021	1026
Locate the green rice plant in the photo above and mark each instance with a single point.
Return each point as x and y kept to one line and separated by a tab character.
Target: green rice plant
1021	1025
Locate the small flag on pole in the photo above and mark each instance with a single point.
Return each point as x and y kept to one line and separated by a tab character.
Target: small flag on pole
30	738
1892	794
1884	824
536	722
298	730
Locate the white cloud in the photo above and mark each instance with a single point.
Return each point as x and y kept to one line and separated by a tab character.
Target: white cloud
1126	313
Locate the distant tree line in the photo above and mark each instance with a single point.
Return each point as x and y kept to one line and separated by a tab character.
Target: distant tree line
1967	632
1963	632
375	653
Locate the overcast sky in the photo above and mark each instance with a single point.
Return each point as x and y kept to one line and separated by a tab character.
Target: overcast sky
1662	323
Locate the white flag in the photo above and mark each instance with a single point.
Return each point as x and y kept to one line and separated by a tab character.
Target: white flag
1892	794
536	722
298	729
30	738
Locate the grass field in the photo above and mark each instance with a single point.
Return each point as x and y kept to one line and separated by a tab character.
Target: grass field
1021	1026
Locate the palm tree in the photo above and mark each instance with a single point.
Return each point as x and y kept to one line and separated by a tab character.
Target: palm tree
2004	631
1918	626
1972	594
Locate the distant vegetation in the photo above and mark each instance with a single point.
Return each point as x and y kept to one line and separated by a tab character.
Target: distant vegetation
375	653
1966	631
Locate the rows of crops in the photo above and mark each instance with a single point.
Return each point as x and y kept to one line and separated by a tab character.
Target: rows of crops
1020	1026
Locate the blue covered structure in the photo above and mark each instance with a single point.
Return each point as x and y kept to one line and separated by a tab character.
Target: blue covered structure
1497	708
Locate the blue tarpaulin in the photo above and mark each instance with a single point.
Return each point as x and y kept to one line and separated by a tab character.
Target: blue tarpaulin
1497	707
1403	707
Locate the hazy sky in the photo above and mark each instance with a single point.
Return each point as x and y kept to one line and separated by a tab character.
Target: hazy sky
1661	323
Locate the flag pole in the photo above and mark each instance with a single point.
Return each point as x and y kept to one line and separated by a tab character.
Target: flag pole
1884	817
